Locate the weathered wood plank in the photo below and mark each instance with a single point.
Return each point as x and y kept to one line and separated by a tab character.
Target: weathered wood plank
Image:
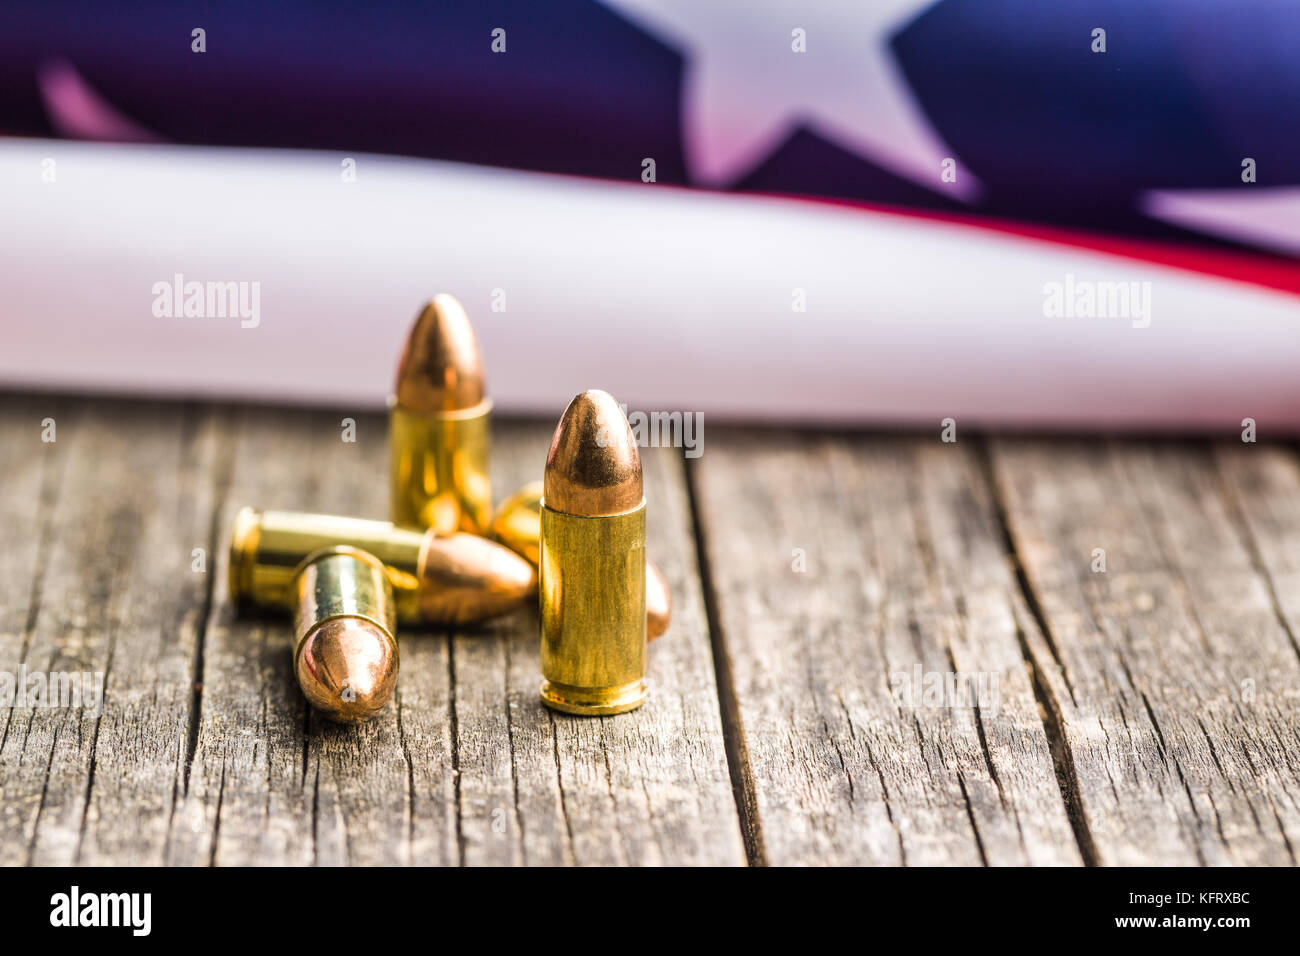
1262	484
123	505
905	572
647	787
105	521
1169	682
1172	678
272	782
467	767
31	473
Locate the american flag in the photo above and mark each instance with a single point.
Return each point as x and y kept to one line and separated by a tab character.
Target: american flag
1159	134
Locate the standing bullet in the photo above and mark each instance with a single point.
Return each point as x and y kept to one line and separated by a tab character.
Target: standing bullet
592	577
518	525
439	426
451	579
345	655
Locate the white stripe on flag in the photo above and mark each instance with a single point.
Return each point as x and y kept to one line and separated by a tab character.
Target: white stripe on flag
666	297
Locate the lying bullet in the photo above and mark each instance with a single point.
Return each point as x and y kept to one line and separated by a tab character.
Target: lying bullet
592	577
518	522
345	655
517	525
439	426
451	579
658	602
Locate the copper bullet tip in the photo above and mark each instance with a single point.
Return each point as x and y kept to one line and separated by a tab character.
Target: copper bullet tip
347	668
465	578
441	369
658	602
593	467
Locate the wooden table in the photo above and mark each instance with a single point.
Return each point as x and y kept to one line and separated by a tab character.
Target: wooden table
1147	713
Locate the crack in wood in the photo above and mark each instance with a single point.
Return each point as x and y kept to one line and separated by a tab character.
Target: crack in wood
738	763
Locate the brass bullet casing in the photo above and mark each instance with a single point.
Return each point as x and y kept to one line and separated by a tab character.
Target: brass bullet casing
517	522
440	426
592	576
450	579
518	525
345	655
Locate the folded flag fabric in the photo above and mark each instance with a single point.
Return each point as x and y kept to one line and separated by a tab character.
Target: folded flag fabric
1167	119
1077	214
272	275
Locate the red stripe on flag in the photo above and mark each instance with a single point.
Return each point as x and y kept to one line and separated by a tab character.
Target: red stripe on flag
1267	270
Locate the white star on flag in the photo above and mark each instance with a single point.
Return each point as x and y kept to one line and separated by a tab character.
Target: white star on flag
1267	216
746	89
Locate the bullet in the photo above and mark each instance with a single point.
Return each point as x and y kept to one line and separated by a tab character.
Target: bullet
345	654
517	525
658	602
592	577
518	522
436	579
439	426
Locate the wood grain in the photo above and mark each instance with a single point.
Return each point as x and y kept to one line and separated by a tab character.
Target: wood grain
1171	673
1145	714
650	787
205	752
905	570
107	517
